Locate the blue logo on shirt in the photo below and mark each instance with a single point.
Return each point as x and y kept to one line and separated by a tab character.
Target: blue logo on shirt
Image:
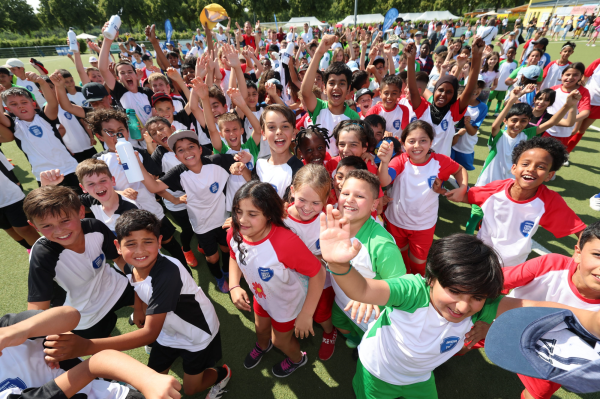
98	262
147	109
274	186
526	227
448	343
12	383
265	273
414	118
397	124
214	187
318	244
36	131
444	125
68	115
430	181
250	165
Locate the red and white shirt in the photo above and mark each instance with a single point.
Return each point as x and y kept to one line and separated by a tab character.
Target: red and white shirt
277	269
547	278
552	74
415	205
395	120
561	99
508	225
592	72
507	44
445	131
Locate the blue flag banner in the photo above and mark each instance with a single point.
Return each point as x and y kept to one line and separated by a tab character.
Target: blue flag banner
275	16
389	19
169	29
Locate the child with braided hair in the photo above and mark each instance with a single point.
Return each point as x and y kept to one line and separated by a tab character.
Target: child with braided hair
312	143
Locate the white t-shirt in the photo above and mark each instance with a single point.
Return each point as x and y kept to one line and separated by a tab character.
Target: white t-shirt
10	192
93	287
277	269
593	83
322	116
415	204
552	74
39	97
78	98
444	132
487	33
466	143
191	322
395	120
125	204
167	161
508	226
221	37
488	77
42	144
307	37
505	69
279	176
561	99
76	138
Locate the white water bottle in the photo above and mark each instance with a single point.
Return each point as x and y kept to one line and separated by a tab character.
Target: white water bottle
289	52
72	40
129	160
114	23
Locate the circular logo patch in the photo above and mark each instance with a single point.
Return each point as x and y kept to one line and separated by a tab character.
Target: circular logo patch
397	124
147	109
36	131
214	187
68	115
444	125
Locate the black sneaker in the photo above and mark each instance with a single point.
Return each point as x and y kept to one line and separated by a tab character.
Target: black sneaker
255	356
287	367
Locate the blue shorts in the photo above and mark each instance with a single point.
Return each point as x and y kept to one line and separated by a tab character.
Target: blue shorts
464	160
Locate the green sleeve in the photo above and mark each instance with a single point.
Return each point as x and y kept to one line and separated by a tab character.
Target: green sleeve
350	113
530	132
515	72
321	105
489	310
32	95
251	146
386	258
417	67
224	148
541	77
408	293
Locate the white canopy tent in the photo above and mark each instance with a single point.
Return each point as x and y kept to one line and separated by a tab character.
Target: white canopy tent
300	21
488	14
363	19
410	16
86	36
437	15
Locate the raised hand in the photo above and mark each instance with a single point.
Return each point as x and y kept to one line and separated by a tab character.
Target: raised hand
231	55
237	168
236	97
336	246
385	152
57	79
478	46
411	51
271	89
34	77
106	26
461	60
51	177
243	156
326	43
200	88
573	98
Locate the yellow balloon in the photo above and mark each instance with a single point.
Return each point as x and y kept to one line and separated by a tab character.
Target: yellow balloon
211	14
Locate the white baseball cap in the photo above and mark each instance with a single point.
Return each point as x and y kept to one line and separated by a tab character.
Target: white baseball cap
93	59
14	63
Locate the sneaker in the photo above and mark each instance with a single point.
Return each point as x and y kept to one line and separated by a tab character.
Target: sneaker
595	202
255	356
200	250
217	390
223	284
148	349
190	258
287	367
328	345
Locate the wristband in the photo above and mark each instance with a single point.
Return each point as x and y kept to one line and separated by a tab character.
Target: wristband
235	286
339	274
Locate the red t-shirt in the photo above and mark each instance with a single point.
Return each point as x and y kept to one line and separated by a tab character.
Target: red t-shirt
250	41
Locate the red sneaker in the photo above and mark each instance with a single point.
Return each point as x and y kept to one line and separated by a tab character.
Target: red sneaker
201	250
190	258
328	345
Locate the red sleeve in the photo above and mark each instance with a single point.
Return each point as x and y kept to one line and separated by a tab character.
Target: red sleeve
398	163
293	253
455	109
244	66
372	168
374	110
558	218
584	103
592	68
222	72
405	116
300	122
502	41
421	109
548	68
229	237
478	195
523	274
447	166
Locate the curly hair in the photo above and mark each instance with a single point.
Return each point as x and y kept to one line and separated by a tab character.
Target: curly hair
309	131
555	148
99	116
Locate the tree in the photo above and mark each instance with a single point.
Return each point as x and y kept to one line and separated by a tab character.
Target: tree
311	8
264	9
132	12
45	15
74	13
22	16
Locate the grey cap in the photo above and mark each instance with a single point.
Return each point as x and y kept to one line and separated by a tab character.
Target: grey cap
181	134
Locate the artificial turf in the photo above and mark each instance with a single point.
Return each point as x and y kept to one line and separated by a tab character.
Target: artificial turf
470	376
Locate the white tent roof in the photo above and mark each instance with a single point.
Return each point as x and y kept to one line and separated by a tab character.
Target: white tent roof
410	16
300	21
86	36
439	15
363	19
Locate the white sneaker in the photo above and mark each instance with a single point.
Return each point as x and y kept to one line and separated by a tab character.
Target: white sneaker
217	390
595	202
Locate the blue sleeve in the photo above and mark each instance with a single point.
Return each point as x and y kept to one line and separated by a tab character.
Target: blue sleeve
483	110
547	57
392	173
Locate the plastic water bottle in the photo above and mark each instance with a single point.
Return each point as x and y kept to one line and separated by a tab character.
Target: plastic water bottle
289	52
114	23
129	160
72	40
133	124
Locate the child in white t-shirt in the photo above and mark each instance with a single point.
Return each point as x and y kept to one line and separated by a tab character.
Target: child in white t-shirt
285	277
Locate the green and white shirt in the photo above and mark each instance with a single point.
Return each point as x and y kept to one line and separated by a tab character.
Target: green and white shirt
236	181
379	258
410	338
323	117
498	163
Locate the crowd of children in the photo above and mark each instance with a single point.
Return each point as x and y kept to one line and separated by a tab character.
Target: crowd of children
310	174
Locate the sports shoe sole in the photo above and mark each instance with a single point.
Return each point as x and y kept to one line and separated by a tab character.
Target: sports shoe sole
222	384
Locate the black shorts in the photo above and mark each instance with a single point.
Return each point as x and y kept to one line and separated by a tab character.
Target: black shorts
104	327
13	216
194	363
83	155
166	228
211	240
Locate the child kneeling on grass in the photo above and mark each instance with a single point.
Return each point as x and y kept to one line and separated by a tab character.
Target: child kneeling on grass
424	319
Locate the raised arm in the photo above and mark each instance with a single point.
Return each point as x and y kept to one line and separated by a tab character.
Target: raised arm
176	77
51	108
201	89
310	100
103	62
557	119
161	58
415	98
83	76
512	100
384	153
477	51
238	100
63	99
234	62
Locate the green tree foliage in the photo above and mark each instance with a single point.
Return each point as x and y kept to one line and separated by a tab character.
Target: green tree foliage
74	13
264	9
20	16
132	12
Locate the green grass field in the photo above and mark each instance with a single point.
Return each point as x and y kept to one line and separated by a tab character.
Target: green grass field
471	376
